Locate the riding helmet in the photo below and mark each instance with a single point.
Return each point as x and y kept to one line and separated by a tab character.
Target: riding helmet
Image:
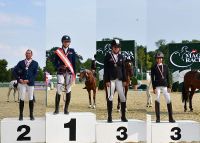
66	38
115	42
159	55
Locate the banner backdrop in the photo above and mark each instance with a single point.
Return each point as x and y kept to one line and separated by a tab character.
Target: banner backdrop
183	58
103	47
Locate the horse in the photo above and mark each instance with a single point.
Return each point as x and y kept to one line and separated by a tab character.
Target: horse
191	81
129	74
149	96
13	85
90	84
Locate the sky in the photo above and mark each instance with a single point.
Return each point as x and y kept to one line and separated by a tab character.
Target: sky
39	24
125	19
172	20
76	18
22	27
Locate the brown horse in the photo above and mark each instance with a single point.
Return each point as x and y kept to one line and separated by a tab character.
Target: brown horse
191	81
129	74
90	84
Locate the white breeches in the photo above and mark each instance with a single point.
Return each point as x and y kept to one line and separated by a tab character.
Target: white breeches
165	93
22	91
116	84
64	83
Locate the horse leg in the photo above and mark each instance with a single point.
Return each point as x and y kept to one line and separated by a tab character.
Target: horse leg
126	91
94	98
89	94
9	90
118	103
190	99
185	98
185	106
14	94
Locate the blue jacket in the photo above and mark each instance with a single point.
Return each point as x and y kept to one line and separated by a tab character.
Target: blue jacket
111	72
71	55
20	72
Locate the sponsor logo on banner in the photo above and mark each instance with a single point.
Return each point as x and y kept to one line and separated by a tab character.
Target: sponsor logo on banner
185	57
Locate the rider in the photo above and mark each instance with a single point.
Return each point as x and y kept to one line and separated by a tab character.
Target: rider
64	74
160	82
25	72
115	78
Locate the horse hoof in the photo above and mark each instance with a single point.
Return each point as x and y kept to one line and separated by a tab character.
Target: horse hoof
185	110
191	110
94	107
90	106
7	101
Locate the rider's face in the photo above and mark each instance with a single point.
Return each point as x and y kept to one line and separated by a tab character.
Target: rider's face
116	49
159	60
66	43
28	54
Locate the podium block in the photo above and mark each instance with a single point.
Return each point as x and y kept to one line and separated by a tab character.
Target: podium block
131	131
183	130
26	131
74	127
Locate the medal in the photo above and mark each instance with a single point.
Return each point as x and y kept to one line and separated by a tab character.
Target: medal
161	72
27	63
115	65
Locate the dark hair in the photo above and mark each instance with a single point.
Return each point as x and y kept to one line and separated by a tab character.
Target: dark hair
29	50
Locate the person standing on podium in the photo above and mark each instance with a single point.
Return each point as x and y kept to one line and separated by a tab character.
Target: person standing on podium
65	66
160	82
115	79
25	72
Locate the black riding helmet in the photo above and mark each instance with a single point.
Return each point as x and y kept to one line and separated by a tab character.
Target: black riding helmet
66	38
115	42
159	55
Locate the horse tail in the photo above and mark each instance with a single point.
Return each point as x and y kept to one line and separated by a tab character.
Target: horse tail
184	94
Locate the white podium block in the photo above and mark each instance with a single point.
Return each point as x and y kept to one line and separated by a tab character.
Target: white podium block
26	131
131	131
183	130
74	127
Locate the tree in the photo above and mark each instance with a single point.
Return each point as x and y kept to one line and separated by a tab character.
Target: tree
40	75
3	70
87	64
141	54
50	67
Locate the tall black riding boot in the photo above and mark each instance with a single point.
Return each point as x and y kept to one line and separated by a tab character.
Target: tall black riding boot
157	110
57	101
31	105
123	112
21	108
67	101
109	109
169	107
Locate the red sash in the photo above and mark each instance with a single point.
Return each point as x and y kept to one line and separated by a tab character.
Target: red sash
65	60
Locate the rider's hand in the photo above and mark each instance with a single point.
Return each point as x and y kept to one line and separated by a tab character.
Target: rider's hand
21	81
107	84
26	81
154	91
168	90
124	83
